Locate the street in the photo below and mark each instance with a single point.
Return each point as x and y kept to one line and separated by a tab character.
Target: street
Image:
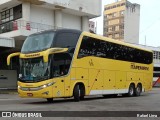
149	101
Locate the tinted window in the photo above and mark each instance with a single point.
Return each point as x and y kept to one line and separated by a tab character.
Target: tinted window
17	12
98	48
38	42
60	64
66	40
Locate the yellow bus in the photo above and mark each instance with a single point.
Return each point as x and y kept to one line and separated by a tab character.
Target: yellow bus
70	63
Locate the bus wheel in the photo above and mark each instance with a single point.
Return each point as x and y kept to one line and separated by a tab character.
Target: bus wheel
131	91
50	100
82	92
138	90
77	93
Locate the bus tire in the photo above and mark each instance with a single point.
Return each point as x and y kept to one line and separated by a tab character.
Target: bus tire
138	90
82	92
131	91
49	100
76	93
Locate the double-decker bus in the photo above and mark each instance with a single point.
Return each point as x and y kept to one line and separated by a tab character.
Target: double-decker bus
70	63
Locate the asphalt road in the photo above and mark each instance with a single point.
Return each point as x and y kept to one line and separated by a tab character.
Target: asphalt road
149	101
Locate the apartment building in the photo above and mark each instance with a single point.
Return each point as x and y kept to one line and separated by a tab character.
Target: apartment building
121	21
20	18
92	26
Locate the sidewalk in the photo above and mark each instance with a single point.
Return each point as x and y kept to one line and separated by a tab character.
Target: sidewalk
8	91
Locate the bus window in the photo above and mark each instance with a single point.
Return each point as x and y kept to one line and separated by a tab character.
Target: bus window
104	49
34	69
38	42
60	64
65	40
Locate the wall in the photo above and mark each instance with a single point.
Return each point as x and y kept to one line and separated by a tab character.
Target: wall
92	7
42	15
131	25
4	1
8	79
71	21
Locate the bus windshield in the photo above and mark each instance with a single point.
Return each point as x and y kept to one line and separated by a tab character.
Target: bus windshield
38	42
34	69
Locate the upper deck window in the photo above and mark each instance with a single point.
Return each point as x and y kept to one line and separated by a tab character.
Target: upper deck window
38	42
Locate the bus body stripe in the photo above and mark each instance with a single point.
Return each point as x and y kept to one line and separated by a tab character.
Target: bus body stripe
96	92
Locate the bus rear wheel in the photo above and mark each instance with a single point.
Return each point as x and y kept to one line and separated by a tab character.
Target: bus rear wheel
138	90
49	100
131	91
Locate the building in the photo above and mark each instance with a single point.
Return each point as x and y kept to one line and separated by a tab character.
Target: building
121	21
92	26
20	18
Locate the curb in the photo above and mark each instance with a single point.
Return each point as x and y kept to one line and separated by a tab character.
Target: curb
13	93
8	92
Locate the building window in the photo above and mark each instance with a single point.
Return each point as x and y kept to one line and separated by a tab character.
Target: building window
114	6
17	12
122	34
122	13
121	26
122	20
116	35
114	14
122	4
110	29
117	28
156	55
113	28
109	16
133	9
110	35
118	5
107	8
8	16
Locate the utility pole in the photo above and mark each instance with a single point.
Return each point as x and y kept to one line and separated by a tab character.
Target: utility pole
145	41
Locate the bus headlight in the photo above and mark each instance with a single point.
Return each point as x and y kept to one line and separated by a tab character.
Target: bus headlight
19	87
36	88
44	86
47	85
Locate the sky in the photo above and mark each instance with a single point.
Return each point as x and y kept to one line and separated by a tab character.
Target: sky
149	33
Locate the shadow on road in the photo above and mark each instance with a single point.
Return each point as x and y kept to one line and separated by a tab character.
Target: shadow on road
87	98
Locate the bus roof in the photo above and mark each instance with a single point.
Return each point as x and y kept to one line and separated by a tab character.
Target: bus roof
93	35
58	31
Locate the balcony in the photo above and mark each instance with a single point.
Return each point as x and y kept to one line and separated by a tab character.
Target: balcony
36	2
21	28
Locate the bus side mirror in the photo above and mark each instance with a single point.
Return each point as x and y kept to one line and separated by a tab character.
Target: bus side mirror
53	51
11	56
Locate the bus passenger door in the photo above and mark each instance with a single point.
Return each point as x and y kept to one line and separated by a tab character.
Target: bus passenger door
109	82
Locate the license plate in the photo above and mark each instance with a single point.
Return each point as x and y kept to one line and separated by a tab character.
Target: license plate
29	94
